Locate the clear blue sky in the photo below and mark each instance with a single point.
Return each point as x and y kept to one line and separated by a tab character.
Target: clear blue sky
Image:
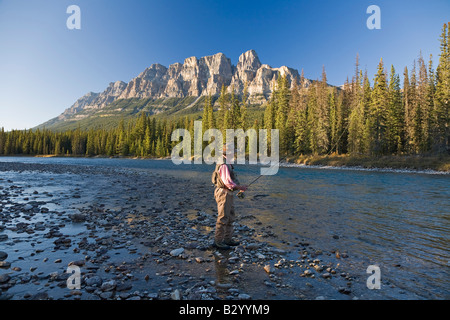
45	67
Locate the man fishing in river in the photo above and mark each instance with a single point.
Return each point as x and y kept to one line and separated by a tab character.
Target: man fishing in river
226	183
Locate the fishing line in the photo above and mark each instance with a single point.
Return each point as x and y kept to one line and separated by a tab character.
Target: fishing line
240	194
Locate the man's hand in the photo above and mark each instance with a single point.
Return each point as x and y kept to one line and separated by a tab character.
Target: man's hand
242	187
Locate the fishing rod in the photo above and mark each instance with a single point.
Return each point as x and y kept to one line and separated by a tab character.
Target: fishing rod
240	194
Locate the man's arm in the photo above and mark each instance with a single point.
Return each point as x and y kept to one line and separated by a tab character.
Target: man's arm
226	179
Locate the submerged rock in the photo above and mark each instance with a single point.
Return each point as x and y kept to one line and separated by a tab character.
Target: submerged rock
94	281
4	278
3	255
108	285
77	217
176	295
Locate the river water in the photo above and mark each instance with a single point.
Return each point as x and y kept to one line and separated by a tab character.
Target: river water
399	221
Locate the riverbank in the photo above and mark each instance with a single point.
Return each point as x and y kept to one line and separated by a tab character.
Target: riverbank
138	235
406	162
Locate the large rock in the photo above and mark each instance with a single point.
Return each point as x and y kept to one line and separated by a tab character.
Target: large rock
4	278
3	255
94	281
108	285
176	252
77	217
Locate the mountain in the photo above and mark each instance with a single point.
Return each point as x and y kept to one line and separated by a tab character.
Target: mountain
176	89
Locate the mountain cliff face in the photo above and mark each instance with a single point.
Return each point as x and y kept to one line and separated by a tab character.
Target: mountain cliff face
205	76
194	78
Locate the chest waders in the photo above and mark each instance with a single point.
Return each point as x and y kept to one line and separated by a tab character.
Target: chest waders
225	208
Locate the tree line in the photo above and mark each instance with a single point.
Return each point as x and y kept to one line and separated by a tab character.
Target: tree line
380	118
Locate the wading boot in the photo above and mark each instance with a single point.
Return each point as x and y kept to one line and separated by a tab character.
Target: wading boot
221	245
232	243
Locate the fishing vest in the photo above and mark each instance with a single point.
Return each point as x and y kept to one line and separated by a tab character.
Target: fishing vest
217	181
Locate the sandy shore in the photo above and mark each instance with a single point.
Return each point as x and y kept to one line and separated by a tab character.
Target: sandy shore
137	234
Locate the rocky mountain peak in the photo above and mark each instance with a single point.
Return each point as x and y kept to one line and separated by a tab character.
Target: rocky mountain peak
246	71
117	87
249	61
194	77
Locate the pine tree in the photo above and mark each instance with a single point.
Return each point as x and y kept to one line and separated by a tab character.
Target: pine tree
78	144
269	114
366	102
356	117
243	110
223	107
344	117
423	111
408	98
205	116
395	114
122	146
356	125
431	93
147	142
2	140
166	137
211	117
235	111
90	144
377	113
334	120
414	121
318	117
441	108
282	105
159	148
7	147
292	117
25	141
57	148
227	122
139	128
312	119
298	120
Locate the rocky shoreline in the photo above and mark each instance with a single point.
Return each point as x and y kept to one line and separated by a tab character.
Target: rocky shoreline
138	235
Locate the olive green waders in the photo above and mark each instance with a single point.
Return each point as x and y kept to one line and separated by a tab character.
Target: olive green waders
226	215
225	207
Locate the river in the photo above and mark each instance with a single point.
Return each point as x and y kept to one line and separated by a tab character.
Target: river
398	221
